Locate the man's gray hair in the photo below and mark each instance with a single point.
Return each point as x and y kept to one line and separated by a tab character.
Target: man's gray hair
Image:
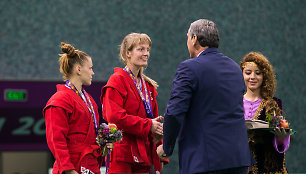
206	31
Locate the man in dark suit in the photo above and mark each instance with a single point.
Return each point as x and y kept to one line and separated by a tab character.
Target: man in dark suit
205	110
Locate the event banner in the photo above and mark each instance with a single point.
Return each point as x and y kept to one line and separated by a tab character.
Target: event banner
22	126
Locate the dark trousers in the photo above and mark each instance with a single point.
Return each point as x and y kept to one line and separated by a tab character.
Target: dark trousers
237	170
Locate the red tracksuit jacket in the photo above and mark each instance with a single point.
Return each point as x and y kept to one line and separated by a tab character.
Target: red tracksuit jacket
123	106
70	132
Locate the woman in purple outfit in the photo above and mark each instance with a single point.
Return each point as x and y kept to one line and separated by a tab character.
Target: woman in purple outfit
267	148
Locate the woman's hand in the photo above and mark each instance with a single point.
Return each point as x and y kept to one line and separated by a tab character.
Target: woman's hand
281	134
110	146
157	126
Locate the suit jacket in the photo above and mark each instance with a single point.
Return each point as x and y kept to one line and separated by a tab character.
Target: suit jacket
70	132
205	112
123	106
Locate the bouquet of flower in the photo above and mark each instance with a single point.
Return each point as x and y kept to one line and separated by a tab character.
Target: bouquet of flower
277	121
108	134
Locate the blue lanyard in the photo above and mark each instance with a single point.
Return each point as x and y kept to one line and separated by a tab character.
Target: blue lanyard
87	101
145	98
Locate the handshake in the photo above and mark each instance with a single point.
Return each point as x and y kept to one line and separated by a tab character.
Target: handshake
157	130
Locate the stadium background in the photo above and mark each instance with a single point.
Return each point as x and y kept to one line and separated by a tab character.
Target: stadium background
31	32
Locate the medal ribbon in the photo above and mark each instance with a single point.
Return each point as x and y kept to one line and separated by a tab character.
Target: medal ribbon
145	98
87	101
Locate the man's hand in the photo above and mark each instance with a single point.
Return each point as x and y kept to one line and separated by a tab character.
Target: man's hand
160	119
160	152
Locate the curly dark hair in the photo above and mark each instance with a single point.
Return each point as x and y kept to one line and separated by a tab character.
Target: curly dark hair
268	86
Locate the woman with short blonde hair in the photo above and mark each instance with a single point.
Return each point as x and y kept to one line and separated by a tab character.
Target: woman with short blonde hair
129	101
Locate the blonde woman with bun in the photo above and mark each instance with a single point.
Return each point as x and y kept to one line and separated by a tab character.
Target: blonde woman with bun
72	117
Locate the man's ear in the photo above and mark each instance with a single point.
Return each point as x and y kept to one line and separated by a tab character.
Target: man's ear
194	39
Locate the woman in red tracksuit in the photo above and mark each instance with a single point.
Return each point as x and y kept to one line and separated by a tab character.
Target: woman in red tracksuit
129	101
72	117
